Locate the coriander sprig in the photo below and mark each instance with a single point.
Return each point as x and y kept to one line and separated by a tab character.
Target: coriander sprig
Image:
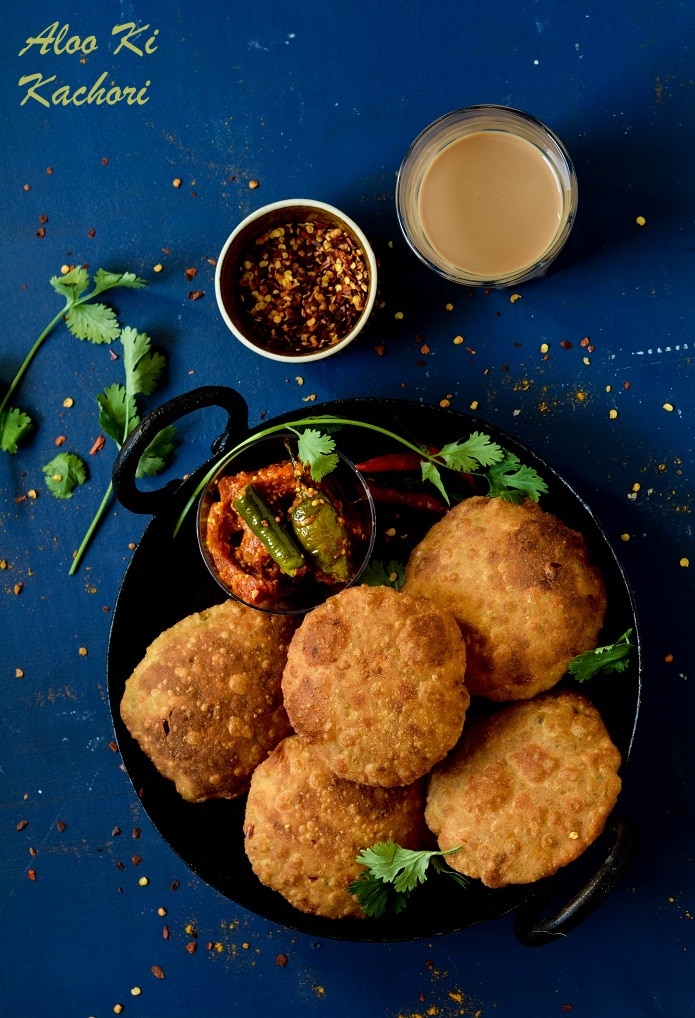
392	873
85	319
118	416
614	657
507	477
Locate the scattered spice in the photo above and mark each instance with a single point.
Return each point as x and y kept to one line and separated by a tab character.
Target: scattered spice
684	562
136	991
196	294
281	960
157	971
514	298
668	407
640	220
31	874
61	825
612	414
191	946
253	184
22	824
176	182
98	444
18	673
191	273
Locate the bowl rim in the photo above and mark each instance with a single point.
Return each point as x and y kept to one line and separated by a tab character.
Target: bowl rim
269	209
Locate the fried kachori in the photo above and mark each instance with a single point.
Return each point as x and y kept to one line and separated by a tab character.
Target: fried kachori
304	828
522	587
374	683
526	791
205	702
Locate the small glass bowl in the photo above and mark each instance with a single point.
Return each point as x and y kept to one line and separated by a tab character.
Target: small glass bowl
345	487
451	128
231	298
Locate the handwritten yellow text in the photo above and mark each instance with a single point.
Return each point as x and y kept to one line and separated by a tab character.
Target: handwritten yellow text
57	39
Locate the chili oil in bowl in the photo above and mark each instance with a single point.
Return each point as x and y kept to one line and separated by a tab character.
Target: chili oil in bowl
296	281
275	539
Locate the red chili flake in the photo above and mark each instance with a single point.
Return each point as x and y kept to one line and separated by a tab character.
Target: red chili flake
429	965
585	341
31	874
281	960
191	947
104	161
27	187
567	1007
175	884
158	971
91	232
137	859
60	440
120	866
32	851
43	219
49	170
196	294
22	824
99	443
565	344
61	825
115	832
113	746
191	273
41	232
165	932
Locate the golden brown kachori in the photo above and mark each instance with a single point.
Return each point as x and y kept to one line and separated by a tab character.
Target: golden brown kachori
522	588
526	791
374	683
304	828
205	703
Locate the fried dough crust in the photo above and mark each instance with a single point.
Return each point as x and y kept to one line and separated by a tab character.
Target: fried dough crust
374	683
205	703
526	791
304	828
522	588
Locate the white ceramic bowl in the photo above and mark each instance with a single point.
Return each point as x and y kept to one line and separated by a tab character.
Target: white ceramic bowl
228	290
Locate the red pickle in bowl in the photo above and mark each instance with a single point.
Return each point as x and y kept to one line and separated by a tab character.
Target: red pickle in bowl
277	540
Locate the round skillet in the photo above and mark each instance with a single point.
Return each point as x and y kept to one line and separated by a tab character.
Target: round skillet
167	580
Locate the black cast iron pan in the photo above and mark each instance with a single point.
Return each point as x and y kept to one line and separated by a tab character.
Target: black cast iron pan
167	580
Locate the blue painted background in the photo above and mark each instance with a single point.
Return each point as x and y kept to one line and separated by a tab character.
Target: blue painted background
322	99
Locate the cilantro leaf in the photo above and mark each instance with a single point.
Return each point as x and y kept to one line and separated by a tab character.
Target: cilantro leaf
64	473
317	451
377	574
72	285
614	657
155	456
95	322
392	865
104	280
477	451
430	472
14	425
512	480
143	367
117	412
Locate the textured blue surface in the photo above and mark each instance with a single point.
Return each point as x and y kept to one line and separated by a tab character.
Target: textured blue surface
321	100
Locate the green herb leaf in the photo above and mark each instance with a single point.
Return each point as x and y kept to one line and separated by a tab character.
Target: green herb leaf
389	864
317	451
476	451
117	413
614	657
157	453
104	280
143	367
377	574
511	480
72	285
14	425
64	473
95	322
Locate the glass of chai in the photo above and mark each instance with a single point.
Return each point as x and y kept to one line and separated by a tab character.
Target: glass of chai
487	196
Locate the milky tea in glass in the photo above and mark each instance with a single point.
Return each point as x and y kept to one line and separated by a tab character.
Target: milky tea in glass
487	196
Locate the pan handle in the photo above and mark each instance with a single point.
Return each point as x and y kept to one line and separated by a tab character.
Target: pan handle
532	930
125	468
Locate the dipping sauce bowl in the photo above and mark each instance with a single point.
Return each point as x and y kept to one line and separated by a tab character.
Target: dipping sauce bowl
486	196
